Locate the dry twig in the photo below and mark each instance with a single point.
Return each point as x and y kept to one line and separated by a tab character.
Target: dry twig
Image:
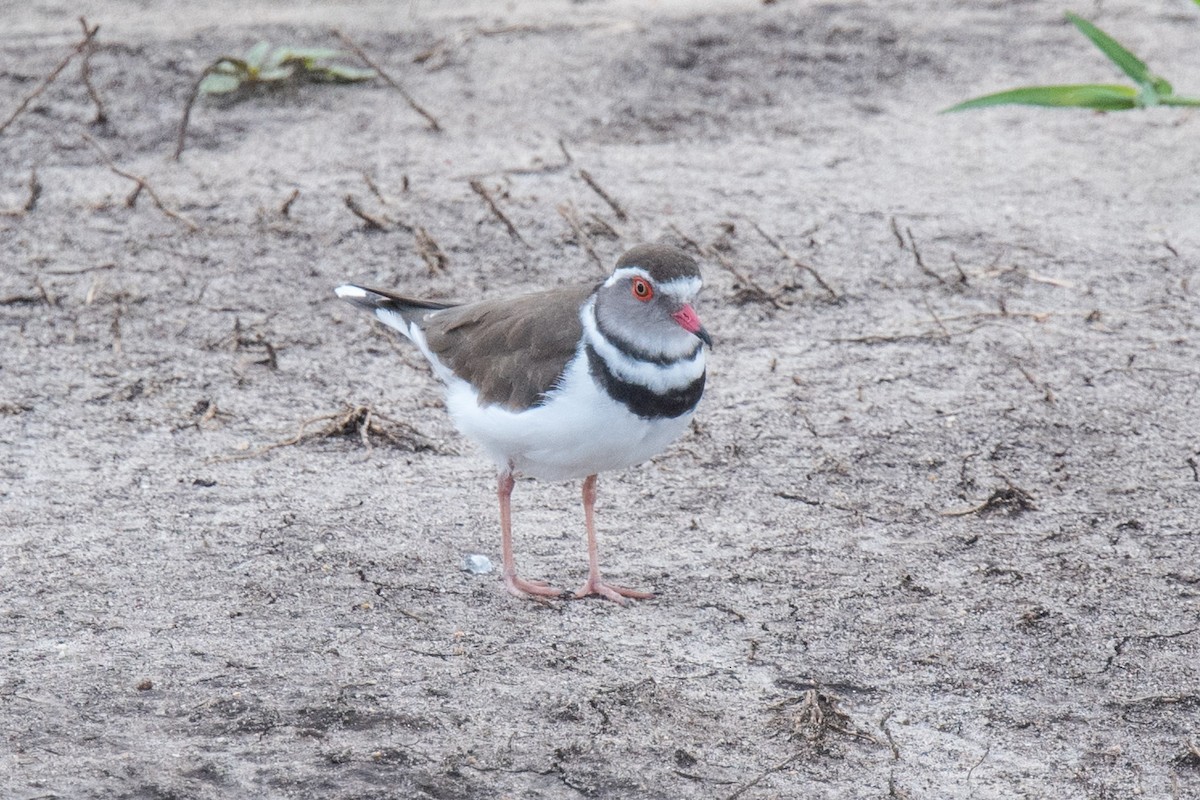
600	226
373	223
817	714
235	340
285	210
429	250
88	35
22	299
977	764
782	765
204	411
434	125
795	261
567	211
374	187
962	275
482	191
1012	500
920	261
352	421
613	204
85	72
142	183
35	192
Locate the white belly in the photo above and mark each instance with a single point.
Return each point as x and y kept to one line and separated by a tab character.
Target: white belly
578	432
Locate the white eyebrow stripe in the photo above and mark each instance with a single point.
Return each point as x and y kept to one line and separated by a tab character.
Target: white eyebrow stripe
626	272
682	289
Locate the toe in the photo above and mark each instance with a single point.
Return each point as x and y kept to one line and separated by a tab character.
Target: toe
525	588
610	592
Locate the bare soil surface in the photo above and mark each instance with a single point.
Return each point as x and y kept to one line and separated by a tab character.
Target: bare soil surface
936	531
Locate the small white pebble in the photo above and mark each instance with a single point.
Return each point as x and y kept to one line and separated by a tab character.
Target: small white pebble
477	564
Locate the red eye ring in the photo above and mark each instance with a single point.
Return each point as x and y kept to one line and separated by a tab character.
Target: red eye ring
642	290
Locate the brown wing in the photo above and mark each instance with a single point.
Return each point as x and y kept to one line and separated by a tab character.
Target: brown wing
514	350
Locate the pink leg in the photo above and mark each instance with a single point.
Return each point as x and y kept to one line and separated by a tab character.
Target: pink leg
517	586
594	584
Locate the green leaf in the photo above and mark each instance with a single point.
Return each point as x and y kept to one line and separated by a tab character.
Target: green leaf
1174	100
1130	64
275	58
256	56
218	83
275	74
340	73
309	54
230	66
1102	97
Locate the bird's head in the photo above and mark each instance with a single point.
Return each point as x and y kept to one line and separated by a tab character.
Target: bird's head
646	304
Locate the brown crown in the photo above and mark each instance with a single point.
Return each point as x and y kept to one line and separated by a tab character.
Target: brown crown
662	261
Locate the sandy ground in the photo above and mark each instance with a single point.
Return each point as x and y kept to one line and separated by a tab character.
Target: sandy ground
935	531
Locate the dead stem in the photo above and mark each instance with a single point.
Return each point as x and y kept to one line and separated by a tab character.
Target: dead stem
285	210
352	421
85	72
204	411
816	714
1011	500
142	183
771	240
434	125
567	211
88	35
782	765
374	188
482	191
35	192
605	196
430	252
373	223
920	261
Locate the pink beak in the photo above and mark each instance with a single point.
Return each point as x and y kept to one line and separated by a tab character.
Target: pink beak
687	319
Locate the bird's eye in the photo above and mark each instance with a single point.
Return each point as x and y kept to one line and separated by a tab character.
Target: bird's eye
642	289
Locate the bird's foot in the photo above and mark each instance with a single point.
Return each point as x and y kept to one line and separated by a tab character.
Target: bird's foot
594	585
523	588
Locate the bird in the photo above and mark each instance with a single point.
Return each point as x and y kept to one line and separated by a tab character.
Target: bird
565	383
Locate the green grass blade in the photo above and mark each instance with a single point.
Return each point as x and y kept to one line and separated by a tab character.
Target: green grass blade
1102	97
1130	64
